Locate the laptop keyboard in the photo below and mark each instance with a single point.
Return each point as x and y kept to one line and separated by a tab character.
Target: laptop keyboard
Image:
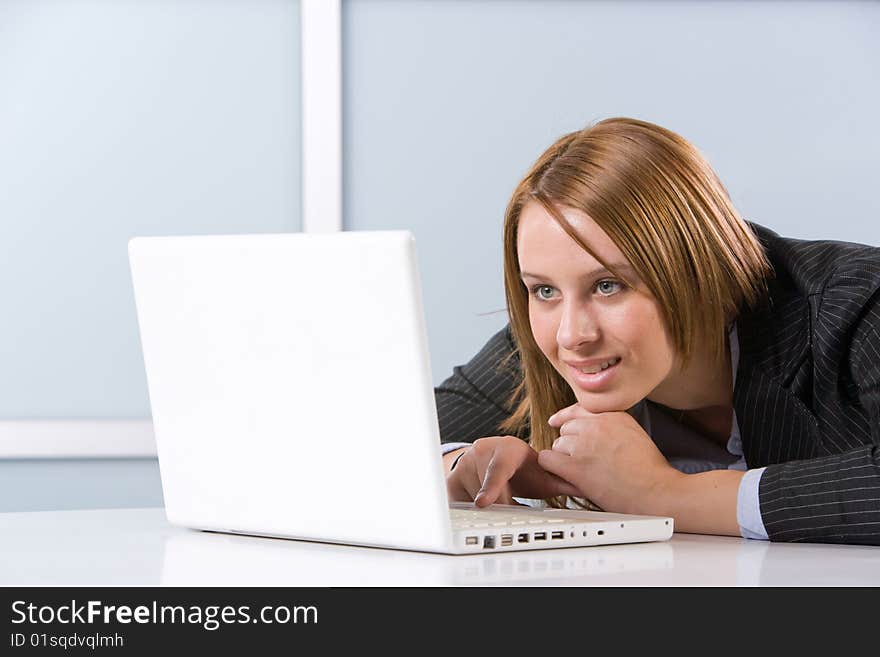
466	518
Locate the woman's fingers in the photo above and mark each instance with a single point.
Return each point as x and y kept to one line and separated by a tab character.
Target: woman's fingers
456	490
502	466
535	482
568	413
493	471
463	483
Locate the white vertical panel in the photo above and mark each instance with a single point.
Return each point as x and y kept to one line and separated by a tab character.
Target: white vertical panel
321	38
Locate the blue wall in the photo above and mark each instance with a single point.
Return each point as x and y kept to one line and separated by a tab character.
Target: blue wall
56	484
449	103
121	118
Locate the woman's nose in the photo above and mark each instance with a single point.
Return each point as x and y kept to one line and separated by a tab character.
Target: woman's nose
576	327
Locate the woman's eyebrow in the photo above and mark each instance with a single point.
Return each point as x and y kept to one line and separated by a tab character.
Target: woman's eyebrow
618	265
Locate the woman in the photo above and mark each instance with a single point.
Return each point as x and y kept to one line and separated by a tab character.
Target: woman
665	357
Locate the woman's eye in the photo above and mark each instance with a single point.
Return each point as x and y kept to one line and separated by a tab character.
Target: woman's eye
600	284
539	291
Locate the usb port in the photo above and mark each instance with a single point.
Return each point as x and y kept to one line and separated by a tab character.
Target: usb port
541	536
506	540
522	538
471	540
556	535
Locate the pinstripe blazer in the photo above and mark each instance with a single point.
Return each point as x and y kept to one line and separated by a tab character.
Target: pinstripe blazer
806	397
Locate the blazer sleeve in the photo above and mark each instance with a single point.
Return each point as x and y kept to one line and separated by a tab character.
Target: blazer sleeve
475	399
834	499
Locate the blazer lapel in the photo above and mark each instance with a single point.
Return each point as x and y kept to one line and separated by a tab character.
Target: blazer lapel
774	377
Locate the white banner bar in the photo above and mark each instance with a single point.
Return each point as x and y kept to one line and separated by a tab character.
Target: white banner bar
62	439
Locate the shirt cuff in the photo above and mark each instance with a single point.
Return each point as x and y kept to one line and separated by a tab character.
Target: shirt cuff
445	448
748	506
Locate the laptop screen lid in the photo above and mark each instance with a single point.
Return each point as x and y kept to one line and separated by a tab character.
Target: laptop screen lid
290	386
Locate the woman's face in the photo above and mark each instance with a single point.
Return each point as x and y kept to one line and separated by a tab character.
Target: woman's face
582	315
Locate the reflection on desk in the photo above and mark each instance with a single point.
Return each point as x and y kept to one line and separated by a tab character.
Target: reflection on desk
139	547
199	558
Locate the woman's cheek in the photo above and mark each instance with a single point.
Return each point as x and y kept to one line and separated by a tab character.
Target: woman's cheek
545	336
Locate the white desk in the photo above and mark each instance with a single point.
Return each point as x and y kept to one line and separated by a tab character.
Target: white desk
139	547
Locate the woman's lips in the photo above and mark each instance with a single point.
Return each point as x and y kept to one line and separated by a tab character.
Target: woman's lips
594	382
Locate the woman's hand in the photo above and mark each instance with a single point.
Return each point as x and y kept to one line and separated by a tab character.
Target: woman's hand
610	458
496	468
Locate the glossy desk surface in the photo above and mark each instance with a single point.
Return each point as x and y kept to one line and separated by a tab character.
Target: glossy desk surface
138	547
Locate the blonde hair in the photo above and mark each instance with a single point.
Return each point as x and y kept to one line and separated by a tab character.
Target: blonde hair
659	201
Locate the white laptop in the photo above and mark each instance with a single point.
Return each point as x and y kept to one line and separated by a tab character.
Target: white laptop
292	397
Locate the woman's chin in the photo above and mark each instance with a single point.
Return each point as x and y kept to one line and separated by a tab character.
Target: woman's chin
604	403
